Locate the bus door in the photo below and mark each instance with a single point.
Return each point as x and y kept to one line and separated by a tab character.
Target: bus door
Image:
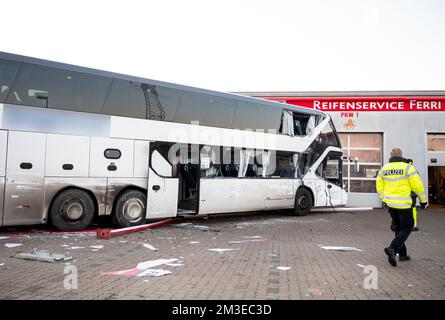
3	144
163	186
25	166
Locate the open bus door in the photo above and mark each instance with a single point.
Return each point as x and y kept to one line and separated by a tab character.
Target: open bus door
162	191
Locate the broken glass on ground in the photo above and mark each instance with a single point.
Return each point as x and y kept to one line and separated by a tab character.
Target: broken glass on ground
189	225
248	239
341	249
149	246
283	268
44	256
13	245
221	249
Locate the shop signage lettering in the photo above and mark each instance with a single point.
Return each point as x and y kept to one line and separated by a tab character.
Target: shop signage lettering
356	104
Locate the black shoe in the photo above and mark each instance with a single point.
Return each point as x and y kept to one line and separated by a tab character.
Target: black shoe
391	256
405	258
415	229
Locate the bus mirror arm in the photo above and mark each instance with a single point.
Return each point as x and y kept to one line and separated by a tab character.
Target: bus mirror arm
354	160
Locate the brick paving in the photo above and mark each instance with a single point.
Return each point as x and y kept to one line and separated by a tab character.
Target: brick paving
250	272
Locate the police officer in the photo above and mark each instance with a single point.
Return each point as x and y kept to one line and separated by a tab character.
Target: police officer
414	204
395	182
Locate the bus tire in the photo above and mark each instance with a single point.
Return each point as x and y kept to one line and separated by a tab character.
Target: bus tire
72	209
130	208
303	202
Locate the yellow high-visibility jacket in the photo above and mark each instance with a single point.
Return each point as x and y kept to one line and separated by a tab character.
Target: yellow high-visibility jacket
395	181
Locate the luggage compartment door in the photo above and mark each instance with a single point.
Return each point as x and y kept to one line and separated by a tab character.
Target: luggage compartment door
24	188
3	145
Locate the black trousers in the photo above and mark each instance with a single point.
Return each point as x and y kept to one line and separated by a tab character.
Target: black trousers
403	222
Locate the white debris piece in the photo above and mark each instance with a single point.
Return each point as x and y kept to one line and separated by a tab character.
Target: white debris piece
97	247
123	241
194	242
64	245
153	273
2	264
253	237
283	268
76	248
221	250
342	249
13	245
154	263
361	266
149	246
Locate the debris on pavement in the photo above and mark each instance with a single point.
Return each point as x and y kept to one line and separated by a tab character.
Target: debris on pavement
13	245
97	247
154	263
149	246
174	264
341	249
76	248
247	241
143	269
44	256
189	225
314	293
221	249
283	268
135	272
194	242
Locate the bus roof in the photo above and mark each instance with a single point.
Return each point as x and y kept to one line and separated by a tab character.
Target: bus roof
74	68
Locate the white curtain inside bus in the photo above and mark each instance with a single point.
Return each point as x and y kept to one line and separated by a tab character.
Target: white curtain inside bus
295	159
310	127
244	162
288	123
265	160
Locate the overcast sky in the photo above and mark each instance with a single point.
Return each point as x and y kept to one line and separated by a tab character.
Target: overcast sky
241	45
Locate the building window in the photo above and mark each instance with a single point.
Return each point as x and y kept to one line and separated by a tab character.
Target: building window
367	147
436	142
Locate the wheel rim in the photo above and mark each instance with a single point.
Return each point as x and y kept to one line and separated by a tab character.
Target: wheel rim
72	210
133	210
303	202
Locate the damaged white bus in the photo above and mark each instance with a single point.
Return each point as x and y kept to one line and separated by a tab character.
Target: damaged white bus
77	143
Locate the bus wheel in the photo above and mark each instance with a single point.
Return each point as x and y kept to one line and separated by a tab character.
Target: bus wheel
130	209
72	210
303	202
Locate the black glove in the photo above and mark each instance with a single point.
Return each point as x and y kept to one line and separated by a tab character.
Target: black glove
423	205
384	205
